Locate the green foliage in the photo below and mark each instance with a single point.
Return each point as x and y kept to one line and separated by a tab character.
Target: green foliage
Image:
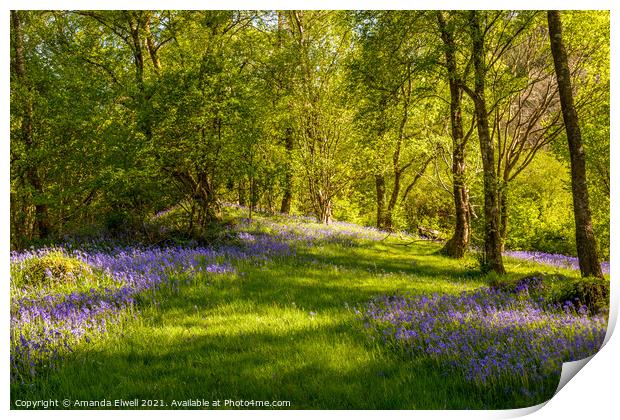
589	291
561	290
353	208
540	205
50	269
247	106
429	206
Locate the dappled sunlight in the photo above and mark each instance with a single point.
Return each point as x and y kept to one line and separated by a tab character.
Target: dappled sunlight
273	314
329	209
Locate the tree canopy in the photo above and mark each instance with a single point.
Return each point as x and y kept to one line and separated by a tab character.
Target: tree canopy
444	122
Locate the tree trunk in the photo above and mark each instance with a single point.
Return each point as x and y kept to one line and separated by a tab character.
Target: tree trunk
143	111
492	241
134	29
325	211
288	176
150	44
503	209
241	192
458	243
287	198
42	223
202	193
388	223
586	242
208	202
252	197
40	209
380	185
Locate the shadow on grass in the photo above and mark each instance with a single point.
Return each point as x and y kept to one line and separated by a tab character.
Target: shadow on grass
285	331
311	368
421	260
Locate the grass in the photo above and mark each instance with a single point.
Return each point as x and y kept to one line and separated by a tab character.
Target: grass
285	330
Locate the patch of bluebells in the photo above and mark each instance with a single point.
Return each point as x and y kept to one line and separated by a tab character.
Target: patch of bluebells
43	329
307	231
555	260
300	231
489	335
45	324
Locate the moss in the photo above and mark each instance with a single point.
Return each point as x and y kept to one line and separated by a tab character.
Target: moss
590	291
557	289
53	267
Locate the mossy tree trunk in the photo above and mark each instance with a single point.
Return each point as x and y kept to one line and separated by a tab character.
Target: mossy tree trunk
492	240
458	243
586	242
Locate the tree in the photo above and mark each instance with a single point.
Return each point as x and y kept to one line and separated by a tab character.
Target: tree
457	245
289	143
492	239
323	128
388	75
527	116
503	29
30	170
586	242
586	37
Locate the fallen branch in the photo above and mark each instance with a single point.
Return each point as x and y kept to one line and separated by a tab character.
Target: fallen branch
388	235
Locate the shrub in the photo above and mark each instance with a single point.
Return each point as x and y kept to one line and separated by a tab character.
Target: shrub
118	221
531	283
590	291
558	290
52	267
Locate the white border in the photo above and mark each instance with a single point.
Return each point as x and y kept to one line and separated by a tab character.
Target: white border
592	394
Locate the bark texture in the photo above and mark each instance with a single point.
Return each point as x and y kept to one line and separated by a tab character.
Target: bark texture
287	198
492	240
458	243
380	186
586	242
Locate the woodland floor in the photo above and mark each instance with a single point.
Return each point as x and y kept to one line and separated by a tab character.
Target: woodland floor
285	330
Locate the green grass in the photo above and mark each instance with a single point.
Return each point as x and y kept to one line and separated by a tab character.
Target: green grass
283	331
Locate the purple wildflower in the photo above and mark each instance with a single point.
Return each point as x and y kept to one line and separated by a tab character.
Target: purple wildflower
487	334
